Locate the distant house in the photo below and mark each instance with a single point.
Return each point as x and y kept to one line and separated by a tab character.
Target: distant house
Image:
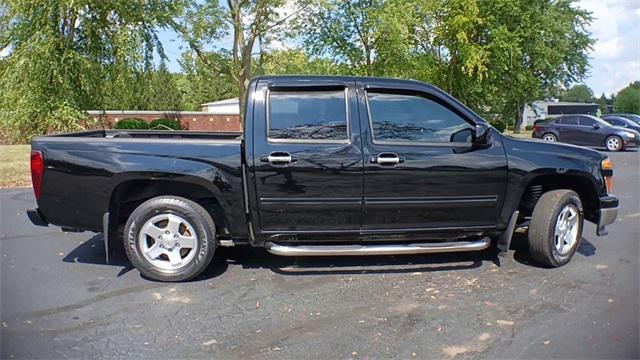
222	107
542	109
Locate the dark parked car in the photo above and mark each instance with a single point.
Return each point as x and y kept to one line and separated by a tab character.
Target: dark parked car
326	166
633	117
586	130
621	122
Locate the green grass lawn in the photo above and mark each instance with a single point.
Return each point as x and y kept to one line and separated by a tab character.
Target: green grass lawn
523	134
14	166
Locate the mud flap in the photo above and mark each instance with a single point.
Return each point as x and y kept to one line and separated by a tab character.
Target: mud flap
109	237
504	240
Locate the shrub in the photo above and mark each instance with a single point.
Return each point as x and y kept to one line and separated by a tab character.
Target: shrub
528	127
131	123
499	125
163	124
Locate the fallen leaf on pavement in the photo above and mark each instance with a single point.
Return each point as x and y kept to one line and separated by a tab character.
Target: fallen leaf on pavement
209	343
505	322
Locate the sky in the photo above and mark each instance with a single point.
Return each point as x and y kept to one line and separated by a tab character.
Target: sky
615	59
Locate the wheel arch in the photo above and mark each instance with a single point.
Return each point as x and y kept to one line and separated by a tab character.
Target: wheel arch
543	183
129	193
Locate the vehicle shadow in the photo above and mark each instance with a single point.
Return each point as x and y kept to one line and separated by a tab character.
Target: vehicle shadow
92	252
521	254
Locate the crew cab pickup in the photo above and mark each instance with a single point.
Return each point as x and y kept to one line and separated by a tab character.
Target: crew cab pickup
326	166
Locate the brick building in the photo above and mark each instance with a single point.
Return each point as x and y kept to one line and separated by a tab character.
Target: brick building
216	116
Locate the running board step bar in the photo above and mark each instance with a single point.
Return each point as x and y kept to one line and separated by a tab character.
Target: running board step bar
398	249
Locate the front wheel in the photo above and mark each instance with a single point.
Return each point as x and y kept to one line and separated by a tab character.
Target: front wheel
556	227
170	238
613	143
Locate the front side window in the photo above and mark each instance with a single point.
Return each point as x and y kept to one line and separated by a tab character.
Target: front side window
585	121
308	115
410	118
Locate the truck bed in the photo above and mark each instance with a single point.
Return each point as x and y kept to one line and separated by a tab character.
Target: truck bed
83	170
151	134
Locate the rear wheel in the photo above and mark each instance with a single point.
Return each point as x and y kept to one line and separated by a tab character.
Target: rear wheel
170	238
549	137
556	227
613	143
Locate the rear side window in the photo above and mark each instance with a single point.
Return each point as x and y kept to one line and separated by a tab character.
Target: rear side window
410	118
308	115
568	120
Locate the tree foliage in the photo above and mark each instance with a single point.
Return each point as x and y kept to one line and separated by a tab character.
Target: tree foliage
628	99
248	23
69	56
578	93
63	52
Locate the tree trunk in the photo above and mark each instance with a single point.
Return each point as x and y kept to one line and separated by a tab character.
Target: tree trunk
519	119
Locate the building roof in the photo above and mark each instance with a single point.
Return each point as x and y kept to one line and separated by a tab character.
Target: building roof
222	102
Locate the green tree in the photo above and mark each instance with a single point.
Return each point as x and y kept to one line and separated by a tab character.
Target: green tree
249	24
200	84
602	103
62	53
364	37
297	62
628	99
163	91
578	93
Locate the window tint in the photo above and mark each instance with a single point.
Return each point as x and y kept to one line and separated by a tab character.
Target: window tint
615	122
309	115
569	120
412	118
585	121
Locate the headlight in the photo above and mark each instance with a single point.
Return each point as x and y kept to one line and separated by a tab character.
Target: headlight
630	135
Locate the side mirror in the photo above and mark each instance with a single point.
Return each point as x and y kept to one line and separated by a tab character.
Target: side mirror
596	126
481	135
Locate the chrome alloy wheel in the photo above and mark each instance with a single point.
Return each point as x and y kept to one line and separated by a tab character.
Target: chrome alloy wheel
566	231
168	241
550	137
613	143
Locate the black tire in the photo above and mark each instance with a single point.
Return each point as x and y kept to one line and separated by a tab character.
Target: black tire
196	216
543	223
613	139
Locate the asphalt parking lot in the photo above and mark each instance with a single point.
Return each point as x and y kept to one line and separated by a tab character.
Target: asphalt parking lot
59	299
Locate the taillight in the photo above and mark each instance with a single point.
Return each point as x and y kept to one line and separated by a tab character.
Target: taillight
37	170
607	169
535	127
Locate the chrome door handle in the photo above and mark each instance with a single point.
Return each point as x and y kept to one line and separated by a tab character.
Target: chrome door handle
279	158
387	159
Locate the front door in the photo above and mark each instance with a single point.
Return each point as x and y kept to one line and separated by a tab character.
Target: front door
421	172
307	156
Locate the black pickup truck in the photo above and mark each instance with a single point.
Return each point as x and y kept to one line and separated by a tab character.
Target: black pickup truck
326	166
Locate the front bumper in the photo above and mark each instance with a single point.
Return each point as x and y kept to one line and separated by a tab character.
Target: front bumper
607	213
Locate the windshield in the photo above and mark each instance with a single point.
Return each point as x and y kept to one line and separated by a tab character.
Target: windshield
633	117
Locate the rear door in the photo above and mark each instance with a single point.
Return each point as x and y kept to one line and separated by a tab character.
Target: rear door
421	172
569	129
307	155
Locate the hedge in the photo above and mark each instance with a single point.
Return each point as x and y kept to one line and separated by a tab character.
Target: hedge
131	123
163	124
